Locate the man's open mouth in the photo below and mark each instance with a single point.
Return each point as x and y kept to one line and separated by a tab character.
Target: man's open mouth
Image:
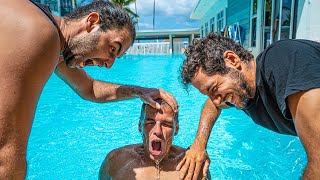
156	147
88	62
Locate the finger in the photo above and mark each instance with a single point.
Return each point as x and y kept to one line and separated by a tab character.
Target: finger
197	171
191	170
181	163
169	98
184	169
151	102
206	167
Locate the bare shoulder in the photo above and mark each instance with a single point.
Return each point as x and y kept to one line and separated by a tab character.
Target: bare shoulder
28	22
116	158
176	154
178	150
124	152
32	39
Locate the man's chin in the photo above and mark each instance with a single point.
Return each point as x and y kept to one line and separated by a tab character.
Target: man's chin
156	156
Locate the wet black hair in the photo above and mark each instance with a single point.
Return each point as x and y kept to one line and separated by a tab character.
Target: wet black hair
161	102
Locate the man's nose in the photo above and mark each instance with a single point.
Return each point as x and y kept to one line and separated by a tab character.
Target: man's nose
157	129
216	99
110	63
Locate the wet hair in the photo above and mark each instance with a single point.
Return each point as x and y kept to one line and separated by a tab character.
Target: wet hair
112	16
207	53
162	103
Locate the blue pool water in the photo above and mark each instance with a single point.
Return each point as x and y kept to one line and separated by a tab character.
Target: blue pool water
70	137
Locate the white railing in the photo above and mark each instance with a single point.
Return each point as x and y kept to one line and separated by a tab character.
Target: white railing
157	48
150	48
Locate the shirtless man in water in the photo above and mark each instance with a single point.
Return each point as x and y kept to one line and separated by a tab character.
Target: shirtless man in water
34	43
156	158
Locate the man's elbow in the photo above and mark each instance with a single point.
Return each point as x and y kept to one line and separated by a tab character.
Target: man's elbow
87	95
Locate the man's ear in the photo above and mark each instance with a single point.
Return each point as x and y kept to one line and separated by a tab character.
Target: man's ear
140	127
232	60
92	20
177	129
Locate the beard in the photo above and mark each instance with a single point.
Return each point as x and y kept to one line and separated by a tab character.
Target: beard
78	47
242	87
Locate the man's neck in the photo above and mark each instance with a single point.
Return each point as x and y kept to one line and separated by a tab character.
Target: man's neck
63	35
251	76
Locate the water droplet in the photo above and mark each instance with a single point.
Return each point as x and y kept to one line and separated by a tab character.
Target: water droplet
158	169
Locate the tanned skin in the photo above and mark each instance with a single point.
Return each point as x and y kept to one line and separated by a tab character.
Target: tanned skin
304	107
30	47
139	161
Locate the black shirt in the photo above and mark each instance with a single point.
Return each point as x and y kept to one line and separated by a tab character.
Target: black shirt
284	68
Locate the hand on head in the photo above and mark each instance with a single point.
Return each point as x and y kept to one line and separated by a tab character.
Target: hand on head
148	96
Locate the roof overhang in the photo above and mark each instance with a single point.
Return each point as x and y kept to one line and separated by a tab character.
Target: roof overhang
168	32
202	7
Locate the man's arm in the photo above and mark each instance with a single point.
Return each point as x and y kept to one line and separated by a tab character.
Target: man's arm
99	91
197	155
305	110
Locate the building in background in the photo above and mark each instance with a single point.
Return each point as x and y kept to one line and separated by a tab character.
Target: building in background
169	41
59	7
255	24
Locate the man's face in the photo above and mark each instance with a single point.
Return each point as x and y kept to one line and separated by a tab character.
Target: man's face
158	131
97	48
231	88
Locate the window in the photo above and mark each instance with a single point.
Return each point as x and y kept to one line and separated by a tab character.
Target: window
253	20
253	31
220	21
66	7
53	4
202	33
206	29
212	24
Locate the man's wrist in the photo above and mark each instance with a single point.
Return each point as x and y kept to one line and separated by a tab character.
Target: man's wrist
198	145
136	91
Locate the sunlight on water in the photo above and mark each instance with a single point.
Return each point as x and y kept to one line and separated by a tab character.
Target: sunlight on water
71	137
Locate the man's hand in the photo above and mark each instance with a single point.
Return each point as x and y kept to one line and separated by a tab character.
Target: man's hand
195	159
148	95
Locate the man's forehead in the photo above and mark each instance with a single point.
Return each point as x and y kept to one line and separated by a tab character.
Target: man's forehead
150	111
201	81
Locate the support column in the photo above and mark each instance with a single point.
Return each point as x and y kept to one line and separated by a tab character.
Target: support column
191	38
171	44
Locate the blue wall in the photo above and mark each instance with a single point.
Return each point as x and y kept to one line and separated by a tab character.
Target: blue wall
239	11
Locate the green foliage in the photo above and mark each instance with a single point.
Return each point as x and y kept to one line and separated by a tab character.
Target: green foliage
124	5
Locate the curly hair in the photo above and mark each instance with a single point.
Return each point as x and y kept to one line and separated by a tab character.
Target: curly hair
207	53
112	16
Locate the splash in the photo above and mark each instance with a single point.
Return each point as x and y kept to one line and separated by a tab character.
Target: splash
158	169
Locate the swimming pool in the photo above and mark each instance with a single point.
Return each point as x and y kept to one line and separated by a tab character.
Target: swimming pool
70	137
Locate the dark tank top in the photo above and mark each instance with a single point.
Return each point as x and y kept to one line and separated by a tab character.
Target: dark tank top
45	9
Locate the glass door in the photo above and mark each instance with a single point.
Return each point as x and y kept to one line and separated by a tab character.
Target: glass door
267	21
278	20
285	23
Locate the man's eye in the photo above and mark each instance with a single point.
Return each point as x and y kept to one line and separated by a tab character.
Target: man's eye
167	125
149	123
113	50
214	89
